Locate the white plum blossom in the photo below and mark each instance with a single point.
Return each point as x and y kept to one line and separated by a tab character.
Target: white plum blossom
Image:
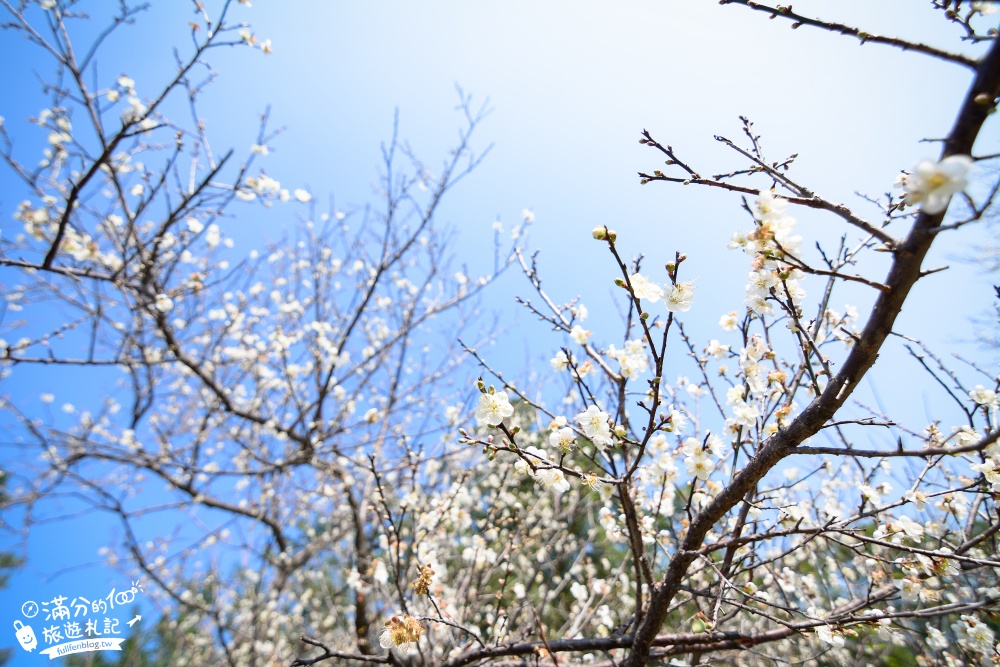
984	397
699	463
990	469
918	498
973	634
560	362
909	588
552	478
645	289
717	349
493	408
563	439
933	183
679	298
769	243
534	455
897	529
632	360
826	634
729	321
163	303
595	426
579	335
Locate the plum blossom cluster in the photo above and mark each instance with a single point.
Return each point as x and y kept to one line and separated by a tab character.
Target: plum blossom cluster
400	632
535	463
596	426
976	637
702	457
746	400
677	298
771	244
633	360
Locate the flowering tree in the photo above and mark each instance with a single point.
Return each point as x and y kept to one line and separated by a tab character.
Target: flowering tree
299	407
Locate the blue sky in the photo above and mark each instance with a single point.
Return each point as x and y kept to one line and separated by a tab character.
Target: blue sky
571	85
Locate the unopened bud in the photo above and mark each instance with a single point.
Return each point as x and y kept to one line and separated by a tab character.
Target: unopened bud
600	233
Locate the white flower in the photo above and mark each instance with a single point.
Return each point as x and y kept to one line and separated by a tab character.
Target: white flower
632	360
870	494
579	335
493	408
595	426
644	288
535	455
918	498
400	632
909	588
560	362
770	207
381	574
985	397
716	349
680	297
258	149
825	634
729	321
935	638
990	470
563	439
163	303
554	479
302	195
699	466
933	183
214	236
974	634
984	6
